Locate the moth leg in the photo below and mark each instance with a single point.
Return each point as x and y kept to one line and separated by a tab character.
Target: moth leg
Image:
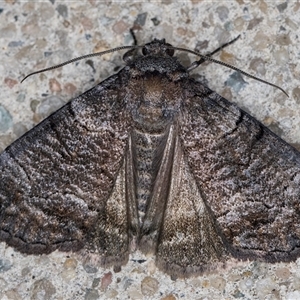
131	30
223	46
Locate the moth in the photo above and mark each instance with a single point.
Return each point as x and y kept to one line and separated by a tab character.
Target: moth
151	159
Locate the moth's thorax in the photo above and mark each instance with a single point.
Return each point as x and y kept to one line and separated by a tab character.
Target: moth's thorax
157	101
161	64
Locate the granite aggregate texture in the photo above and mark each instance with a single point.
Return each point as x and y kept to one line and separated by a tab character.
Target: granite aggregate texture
39	34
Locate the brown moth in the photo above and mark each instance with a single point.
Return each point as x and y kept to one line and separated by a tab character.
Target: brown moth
152	159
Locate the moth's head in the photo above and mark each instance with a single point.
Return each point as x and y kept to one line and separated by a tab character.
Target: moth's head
158	48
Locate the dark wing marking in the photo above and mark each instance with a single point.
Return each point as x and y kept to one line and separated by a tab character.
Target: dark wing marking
60	180
248	176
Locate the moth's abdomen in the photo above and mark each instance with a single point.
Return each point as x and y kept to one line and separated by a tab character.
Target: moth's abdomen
147	151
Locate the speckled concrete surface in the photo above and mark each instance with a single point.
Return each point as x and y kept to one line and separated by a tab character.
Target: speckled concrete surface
37	34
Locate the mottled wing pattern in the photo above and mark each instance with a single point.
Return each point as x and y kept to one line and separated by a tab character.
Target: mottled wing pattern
218	182
60	180
248	177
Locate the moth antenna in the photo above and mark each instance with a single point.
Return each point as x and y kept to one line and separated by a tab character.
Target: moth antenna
207	57
193	66
80	58
219	49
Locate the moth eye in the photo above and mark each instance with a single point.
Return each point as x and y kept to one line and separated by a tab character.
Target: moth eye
145	51
170	52
129	55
